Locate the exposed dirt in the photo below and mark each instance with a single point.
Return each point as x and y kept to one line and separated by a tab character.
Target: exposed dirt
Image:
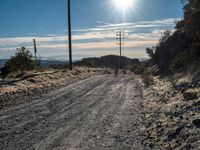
98	113
34	85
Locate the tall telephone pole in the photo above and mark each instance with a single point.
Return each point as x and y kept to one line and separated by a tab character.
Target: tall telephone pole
35	48
120	36
69	36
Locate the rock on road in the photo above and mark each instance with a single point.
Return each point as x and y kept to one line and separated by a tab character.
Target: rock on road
98	113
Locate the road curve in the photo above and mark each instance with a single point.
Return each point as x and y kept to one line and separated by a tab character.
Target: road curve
97	113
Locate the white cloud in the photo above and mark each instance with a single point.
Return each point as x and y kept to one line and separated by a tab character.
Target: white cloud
101	38
143	24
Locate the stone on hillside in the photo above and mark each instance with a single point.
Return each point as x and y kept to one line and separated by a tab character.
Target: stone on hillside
196	123
196	79
190	96
174	134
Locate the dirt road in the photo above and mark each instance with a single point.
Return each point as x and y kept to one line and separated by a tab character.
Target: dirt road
97	113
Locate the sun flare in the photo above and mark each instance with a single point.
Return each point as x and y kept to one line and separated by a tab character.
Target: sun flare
123	5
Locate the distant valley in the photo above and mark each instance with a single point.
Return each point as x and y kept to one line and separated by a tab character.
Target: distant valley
43	63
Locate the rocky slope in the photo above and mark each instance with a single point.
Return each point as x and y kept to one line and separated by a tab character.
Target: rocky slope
171	114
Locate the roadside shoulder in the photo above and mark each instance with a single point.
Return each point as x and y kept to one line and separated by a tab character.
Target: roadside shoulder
170	121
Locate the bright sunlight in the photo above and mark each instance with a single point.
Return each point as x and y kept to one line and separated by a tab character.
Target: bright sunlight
123	5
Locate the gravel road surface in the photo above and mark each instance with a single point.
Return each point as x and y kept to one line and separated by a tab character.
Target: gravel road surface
98	113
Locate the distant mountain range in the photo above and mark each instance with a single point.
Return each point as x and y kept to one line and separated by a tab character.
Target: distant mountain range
44	63
111	61
2	62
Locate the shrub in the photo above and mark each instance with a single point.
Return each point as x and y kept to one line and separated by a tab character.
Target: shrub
180	61
116	72
147	79
124	71
107	71
137	69
4	72
91	64
195	50
20	62
186	57
150	51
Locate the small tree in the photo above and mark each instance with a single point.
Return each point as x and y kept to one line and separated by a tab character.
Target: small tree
20	62
164	36
150	51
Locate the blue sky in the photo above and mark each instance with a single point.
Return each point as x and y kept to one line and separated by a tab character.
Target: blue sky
94	25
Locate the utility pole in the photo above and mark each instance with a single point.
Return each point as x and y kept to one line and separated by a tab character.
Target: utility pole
69	36
120	36
35	48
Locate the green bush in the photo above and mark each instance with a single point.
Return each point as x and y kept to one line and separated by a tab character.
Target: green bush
4	72
137	69
195	50
20	62
180	61
90	64
186	57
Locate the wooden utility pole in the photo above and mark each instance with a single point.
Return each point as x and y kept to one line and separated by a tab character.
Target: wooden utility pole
120	36
35	48
69	36
120	43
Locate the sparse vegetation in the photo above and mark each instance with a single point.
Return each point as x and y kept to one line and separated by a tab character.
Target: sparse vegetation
20	62
109	61
108	102
147	79
33	85
186	58
137	69
172	102
150	51
179	62
124	71
178	51
107	71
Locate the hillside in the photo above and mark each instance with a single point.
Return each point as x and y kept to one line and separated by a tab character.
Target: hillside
110	61
167	52
171	118
179	51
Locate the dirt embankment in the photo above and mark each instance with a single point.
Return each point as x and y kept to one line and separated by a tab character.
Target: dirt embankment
31	87
171	114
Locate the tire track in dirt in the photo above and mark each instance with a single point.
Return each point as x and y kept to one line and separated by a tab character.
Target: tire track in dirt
97	113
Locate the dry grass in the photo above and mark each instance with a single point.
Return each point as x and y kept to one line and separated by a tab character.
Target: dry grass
165	112
147	79
33	81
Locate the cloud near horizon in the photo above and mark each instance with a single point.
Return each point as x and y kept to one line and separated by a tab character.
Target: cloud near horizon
93	42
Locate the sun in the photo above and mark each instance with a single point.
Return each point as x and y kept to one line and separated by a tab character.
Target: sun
123	5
